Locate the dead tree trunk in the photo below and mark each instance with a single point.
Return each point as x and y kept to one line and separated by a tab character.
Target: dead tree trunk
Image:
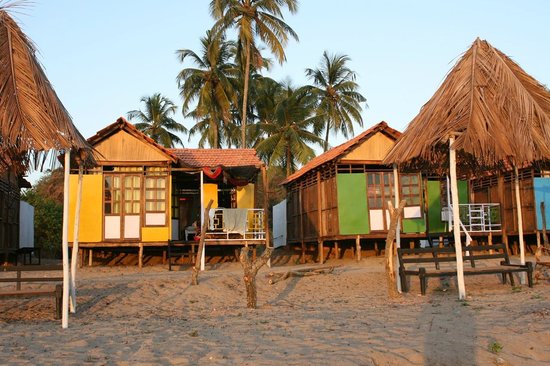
395	215
196	266
250	272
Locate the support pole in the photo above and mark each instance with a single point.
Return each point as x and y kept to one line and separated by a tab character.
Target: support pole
266	215
357	248
140	255
456	220
398	228
74	253
65	243
203	256
520	224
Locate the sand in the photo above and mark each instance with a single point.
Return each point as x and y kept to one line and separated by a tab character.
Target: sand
127	316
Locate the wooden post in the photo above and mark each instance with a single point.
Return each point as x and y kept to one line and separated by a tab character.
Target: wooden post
74	253
140	255
320	233
358	248
90	257
200	251
520	223
65	242
543	216
336	250
300	205
320	251
396	193
266	213
456	220
395	214
303	255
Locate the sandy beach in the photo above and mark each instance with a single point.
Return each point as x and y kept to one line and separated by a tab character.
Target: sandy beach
128	316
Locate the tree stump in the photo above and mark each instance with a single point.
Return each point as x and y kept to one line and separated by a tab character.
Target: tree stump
250	271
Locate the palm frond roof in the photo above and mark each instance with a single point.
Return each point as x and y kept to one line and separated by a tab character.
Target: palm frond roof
31	114
498	113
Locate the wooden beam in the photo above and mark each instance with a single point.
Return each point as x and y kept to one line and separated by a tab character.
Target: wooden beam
140	256
320	251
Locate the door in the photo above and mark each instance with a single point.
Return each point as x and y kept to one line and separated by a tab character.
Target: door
379	192
122	206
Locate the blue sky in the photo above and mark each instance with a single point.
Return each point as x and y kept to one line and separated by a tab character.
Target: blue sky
103	56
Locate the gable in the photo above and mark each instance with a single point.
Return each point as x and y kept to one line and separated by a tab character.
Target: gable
373	149
124	147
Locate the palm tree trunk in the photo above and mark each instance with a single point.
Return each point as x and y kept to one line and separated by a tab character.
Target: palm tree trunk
245	94
288	157
326	135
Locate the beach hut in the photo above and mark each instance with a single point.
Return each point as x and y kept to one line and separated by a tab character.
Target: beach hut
142	195
342	195
33	120
488	115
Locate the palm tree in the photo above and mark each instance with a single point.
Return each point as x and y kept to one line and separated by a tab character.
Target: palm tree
285	119
255	19
212	84
337	92
156	120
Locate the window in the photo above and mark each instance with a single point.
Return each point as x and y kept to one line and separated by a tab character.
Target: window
410	189
132	194
155	194
379	189
112	195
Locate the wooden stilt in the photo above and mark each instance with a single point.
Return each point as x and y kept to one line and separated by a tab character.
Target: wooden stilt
441	242
320	251
140	255
164	257
81	258
303	255
358	248
254	254
376	249
336	250
90	257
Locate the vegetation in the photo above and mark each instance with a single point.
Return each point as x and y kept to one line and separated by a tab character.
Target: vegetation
211	83
156	120
339	100
254	20
233	104
47	198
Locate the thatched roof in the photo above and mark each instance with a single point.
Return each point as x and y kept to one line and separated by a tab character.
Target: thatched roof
499	114
32	117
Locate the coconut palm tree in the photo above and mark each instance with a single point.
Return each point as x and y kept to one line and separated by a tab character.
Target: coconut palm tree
285	120
255	19
337	92
211	84
156	120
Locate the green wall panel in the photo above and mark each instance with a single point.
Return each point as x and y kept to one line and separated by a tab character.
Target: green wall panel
353	213
414	225
463	194
434	207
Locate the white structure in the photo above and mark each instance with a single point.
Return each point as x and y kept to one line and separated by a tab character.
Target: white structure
26	225
279	224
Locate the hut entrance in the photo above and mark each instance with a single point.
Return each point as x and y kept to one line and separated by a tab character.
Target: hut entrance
380	190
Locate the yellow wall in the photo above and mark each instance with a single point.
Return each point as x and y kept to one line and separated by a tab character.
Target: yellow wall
375	148
245	196
155	233
91	211
210	192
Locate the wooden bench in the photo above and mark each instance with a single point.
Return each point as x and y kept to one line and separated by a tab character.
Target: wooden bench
56	292
180	249
436	256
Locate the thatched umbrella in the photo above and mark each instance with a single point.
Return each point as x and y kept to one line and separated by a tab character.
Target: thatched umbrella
33	119
493	115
